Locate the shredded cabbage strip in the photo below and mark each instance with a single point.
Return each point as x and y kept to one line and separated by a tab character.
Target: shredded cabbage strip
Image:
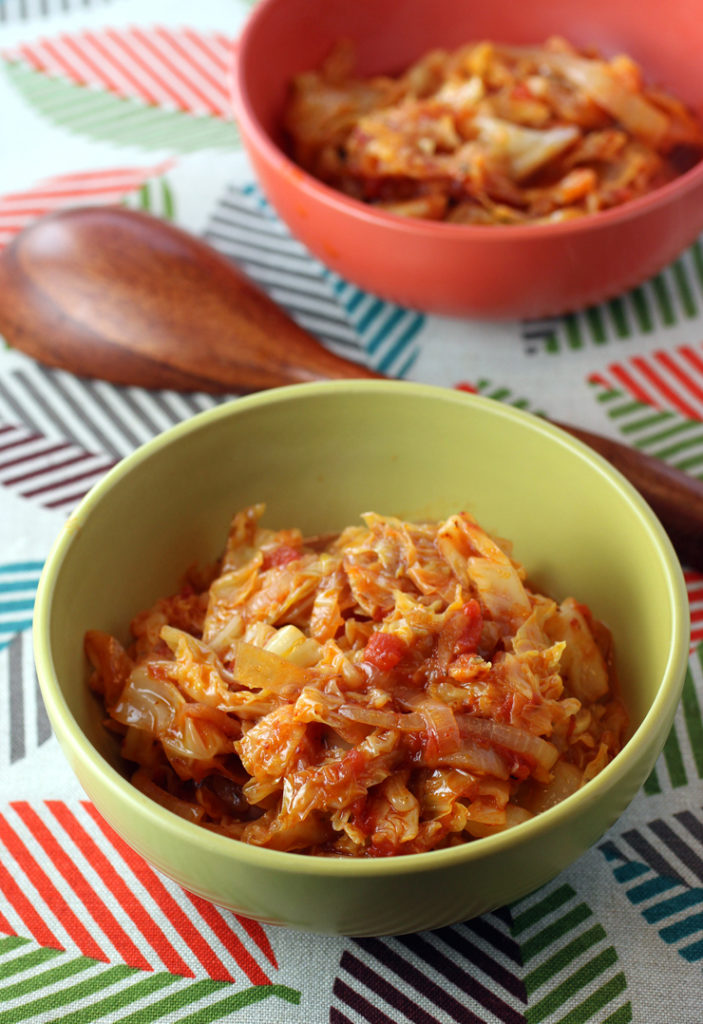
392	689
491	134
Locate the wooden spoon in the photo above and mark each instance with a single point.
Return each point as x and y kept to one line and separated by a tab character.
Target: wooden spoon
123	296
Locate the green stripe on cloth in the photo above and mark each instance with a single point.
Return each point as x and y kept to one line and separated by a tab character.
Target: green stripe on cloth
555	964
125	997
542	909
27	961
101	115
557	930
575	983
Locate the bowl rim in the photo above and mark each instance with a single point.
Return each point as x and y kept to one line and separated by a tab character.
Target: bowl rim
70	734
255	135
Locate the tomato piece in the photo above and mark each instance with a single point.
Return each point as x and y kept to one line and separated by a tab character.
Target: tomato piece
468	640
520	769
281	555
364	818
521	91
384	651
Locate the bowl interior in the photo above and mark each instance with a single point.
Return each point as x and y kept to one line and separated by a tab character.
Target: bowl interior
288	36
319	456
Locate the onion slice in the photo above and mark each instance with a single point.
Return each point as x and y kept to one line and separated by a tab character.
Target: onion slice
509	737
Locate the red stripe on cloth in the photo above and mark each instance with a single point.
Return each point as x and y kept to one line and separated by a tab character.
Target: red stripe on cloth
624	378
203	67
116	58
99	73
10	198
11	225
107	72
187	94
696	635
211	63
33	54
43	469
88	475
25	909
24	432
209	47
35	454
693	357
229	939
256	931
116	884
667	360
656	380
106	187
49	893
164	900
62	62
5	926
135	173
149	67
98	910
55	196
694	587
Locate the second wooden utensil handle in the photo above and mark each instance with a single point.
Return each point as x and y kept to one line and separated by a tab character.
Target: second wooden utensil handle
675	497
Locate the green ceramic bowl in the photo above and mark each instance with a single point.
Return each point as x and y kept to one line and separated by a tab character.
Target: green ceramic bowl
319	455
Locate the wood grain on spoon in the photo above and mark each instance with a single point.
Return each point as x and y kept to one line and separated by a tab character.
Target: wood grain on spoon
123	296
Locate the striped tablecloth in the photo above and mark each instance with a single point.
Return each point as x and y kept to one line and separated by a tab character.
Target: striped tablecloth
126	102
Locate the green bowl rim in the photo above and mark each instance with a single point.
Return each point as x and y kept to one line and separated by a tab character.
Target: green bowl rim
636	750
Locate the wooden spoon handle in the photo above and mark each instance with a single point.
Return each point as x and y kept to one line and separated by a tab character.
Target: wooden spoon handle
674	496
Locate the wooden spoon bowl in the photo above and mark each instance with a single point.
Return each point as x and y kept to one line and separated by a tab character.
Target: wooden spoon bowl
119	295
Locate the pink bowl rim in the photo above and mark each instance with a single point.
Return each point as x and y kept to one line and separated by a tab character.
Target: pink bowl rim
256	136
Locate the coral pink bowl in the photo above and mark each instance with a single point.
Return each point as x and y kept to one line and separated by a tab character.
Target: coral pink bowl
492	272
